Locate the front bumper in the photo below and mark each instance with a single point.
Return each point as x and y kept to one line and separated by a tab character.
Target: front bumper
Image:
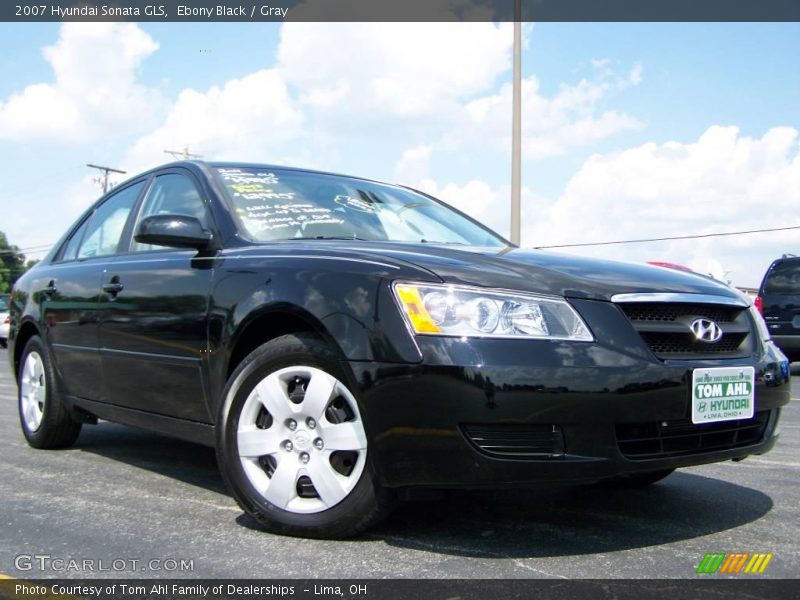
593	397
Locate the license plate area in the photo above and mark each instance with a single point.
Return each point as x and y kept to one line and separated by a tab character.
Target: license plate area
723	394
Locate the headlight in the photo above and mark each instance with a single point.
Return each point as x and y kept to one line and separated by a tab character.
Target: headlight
436	309
761	324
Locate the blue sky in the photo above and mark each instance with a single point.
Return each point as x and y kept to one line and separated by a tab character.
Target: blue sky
630	130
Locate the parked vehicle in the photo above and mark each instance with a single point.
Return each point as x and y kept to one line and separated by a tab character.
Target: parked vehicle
4	320
339	340
669	265
779	302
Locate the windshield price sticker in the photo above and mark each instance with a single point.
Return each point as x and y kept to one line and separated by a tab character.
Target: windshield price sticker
723	394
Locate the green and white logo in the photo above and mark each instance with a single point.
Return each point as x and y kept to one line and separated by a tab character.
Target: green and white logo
722	394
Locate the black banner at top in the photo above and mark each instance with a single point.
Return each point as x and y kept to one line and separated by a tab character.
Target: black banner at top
398	10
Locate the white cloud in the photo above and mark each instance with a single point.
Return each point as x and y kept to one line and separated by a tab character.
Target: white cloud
252	116
600	63
334	83
477	199
572	117
635	76
330	79
94	89
404	70
722	182
414	165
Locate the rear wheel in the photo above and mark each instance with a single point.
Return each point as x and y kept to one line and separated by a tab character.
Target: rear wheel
292	445
44	418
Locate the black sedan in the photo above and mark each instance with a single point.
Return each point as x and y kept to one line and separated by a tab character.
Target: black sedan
341	340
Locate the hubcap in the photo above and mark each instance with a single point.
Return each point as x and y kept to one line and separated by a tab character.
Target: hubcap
32	390
301	441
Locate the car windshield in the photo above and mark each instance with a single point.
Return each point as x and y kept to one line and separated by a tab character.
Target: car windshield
272	204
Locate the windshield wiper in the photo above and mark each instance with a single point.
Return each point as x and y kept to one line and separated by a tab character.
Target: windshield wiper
325	237
424	241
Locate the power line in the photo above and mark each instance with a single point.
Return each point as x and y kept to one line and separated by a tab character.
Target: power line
666	239
106	171
32	249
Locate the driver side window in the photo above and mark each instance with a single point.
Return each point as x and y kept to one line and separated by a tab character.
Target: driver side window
171	194
106	224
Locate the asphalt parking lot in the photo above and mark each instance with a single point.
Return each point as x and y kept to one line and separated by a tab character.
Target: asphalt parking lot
124	494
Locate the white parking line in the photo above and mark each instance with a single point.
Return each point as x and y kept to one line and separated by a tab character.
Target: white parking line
762	461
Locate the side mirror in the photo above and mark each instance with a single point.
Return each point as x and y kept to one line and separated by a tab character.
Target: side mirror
178	231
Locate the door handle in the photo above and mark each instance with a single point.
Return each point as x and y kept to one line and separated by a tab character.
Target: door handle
114	287
51	288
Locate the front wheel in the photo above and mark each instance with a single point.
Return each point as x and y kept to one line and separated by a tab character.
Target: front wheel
44	418
292	446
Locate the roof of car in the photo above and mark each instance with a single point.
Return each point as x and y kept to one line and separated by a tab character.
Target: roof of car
250	165
781	260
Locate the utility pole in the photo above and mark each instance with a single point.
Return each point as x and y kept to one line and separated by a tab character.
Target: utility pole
516	128
106	171
182	154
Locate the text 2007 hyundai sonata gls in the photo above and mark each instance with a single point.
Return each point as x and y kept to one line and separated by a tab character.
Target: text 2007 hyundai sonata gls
339	339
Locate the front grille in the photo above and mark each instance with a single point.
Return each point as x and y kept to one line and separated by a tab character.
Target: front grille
666	329
539	441
681	437
684	343
660	311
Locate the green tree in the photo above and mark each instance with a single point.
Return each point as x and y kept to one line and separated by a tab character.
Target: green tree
12	264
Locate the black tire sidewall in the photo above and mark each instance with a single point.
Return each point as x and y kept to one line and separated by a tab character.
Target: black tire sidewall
50	412
338	521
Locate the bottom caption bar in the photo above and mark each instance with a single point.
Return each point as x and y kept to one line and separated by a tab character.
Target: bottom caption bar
389	589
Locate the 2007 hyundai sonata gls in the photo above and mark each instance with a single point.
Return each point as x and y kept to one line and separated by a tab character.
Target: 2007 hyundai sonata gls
339	339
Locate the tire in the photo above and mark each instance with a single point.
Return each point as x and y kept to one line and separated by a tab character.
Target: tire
43	417
291	443
638	480
3	343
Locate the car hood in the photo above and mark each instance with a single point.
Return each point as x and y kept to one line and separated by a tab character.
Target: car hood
512	268
546	272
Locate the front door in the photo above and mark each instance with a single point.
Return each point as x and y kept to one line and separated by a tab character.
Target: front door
153	336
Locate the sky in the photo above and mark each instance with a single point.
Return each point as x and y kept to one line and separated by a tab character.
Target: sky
630	131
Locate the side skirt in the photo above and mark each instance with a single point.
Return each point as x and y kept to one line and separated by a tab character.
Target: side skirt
190	431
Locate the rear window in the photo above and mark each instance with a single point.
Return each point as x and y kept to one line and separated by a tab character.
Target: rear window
784	279
4	303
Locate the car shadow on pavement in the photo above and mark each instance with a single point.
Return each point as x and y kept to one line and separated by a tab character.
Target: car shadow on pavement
523	523
191	463
564	521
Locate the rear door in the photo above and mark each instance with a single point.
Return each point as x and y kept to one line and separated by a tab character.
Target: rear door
780	294
154	333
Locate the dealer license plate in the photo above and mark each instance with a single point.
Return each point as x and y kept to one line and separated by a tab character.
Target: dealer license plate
723	394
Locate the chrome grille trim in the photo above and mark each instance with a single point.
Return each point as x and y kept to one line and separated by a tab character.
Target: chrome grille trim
674	297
